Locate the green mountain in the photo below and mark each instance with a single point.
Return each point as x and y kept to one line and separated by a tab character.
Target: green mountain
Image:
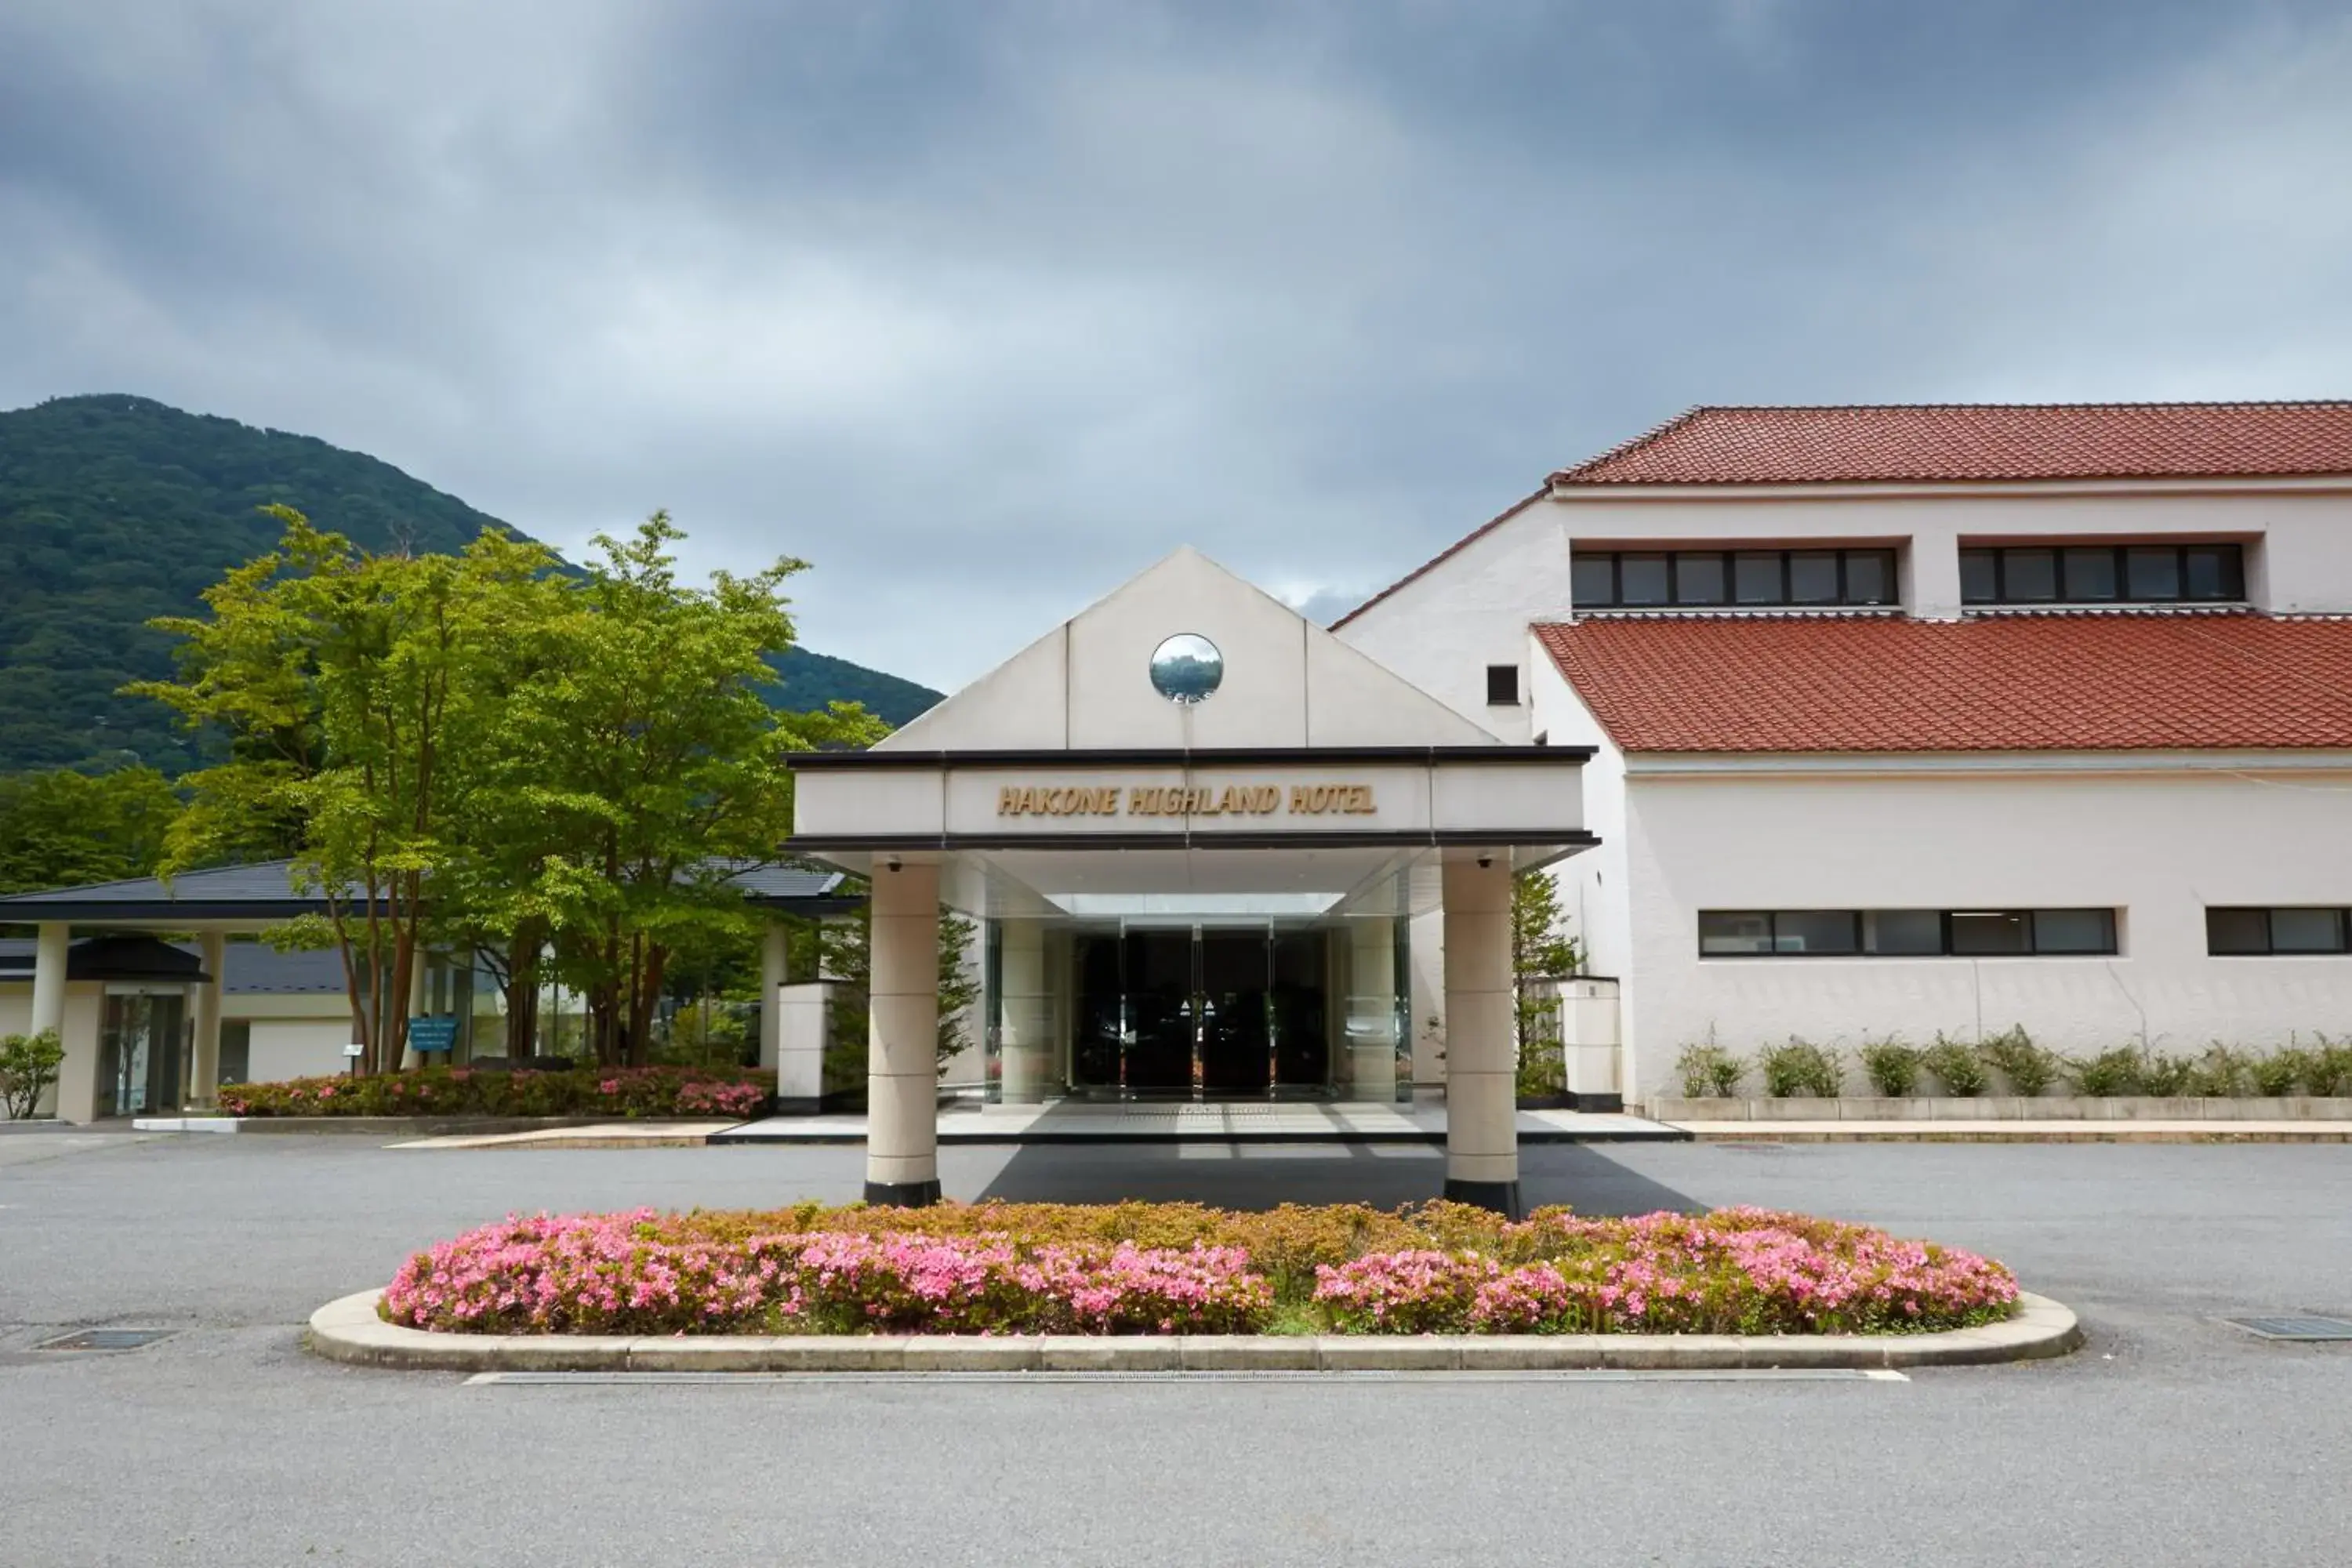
114	510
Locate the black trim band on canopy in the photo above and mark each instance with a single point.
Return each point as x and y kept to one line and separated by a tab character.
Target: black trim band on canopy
1463	839
1217	757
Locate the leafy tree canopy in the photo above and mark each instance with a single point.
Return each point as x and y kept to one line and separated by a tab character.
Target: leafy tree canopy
61	829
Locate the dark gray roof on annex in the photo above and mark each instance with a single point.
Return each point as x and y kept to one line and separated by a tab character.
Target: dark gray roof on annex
251	967
265	890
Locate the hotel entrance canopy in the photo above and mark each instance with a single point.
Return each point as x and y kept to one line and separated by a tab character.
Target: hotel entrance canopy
1190	753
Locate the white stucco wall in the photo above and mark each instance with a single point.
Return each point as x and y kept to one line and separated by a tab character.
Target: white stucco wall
283	1049
2157	846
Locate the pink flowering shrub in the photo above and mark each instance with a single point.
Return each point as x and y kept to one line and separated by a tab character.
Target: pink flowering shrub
466	1091
1735	1271
614	1274
1138	1268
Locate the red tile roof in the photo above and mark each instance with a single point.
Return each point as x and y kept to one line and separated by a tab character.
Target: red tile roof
1997	683
1712	445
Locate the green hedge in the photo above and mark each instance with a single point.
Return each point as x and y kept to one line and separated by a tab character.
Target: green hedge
465	1092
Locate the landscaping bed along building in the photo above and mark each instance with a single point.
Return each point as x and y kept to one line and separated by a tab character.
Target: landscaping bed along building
633	1285
450	1093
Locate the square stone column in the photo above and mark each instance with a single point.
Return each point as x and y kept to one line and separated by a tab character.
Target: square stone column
775	970
203	1078
1025	1014
902	1069
1481	1137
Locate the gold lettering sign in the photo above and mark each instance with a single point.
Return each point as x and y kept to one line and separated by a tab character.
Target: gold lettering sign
1186	800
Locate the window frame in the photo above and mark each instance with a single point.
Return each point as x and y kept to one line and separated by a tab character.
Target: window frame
2230	550
2270	948
1727	558
1865	926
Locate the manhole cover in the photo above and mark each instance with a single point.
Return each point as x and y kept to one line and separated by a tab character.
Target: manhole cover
106	1338
2294	1327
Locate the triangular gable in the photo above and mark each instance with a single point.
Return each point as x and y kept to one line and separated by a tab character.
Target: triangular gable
1086	684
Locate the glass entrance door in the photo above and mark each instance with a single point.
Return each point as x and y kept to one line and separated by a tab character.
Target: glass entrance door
1161	1006
1236	1044
140	1062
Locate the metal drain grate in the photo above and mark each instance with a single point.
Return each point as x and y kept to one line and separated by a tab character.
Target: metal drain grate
2294	1327
106	1338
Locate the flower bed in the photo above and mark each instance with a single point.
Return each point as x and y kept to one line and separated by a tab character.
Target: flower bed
464	1091
1143	1268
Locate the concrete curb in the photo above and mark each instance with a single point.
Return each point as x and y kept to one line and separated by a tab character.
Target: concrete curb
348	1330
2018	1132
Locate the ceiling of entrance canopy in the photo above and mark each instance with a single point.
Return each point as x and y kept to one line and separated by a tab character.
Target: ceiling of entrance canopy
1254	883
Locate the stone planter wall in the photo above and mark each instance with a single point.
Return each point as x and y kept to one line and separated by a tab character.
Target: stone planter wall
2005	1107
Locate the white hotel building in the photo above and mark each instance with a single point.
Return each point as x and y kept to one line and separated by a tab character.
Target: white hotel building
1831	722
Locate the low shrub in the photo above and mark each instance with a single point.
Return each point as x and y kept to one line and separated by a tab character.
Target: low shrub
2030	1068
1799	1067
2279	1074
2169	1076
28	1065
468	1091
1132	1269
1892	1066
1708	1072
2327	1067
1956	1065
2111	1072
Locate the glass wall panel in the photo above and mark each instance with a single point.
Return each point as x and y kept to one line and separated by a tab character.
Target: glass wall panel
1756	577
1870	576
2029	577
2074	931
1979	577
1813	577
2152	573
1593	580
2090	575
2237	930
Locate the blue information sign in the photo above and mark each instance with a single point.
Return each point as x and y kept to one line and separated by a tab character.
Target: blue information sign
438	1033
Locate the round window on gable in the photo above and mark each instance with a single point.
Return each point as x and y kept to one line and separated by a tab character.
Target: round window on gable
1187	669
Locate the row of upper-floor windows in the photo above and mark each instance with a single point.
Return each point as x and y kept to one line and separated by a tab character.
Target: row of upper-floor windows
2004	574
1644	579
2103	574
2230	932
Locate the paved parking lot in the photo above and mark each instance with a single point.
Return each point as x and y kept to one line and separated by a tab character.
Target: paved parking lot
2171	1438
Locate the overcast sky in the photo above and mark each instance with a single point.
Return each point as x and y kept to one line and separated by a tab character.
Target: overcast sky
983	308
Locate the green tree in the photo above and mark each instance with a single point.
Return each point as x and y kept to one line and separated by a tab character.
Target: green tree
846	955
365	699
61	829
640	744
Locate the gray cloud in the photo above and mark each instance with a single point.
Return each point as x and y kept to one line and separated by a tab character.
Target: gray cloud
981	308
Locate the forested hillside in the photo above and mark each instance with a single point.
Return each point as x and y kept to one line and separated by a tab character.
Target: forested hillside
115	510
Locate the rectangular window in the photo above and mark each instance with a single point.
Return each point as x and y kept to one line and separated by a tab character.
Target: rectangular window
1732	932
1870	576
2214	571
2103	574
1698	579
2152	574
1813	577
1916	933
1903	932
1592	580
1757	576
2307	931
2029	577
1502	685
2231	933
2089	575
1815	931
1983	933
2074	931
1979	577
1642	580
